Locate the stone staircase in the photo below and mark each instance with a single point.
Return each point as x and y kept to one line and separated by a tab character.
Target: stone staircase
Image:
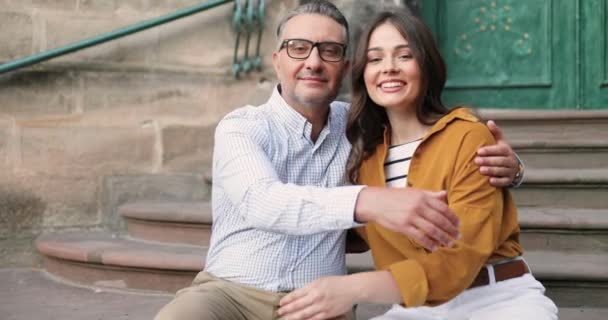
564	201
563	216
163	249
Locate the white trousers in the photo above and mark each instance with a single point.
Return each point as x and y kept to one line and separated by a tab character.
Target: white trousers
519	298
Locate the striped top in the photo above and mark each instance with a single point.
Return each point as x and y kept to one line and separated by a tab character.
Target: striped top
397	163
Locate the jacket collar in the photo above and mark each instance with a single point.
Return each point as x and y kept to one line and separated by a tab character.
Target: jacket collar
461	113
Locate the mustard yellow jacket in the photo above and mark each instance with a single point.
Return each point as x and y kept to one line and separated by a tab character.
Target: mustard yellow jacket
488	216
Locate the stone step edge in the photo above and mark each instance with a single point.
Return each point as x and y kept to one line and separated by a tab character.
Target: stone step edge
587	313
98	288
552	176
542	115
563	218
559	145
168	211
545	265
103	249
565	176
529	217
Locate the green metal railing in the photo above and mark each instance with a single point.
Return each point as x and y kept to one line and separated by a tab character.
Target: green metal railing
243	21
249	21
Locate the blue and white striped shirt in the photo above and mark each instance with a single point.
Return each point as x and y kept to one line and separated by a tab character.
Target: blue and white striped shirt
278	212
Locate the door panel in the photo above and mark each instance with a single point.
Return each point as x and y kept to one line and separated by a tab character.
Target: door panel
507	53
502	46
594	52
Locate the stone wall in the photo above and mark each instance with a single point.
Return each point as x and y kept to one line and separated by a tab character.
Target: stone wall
128	119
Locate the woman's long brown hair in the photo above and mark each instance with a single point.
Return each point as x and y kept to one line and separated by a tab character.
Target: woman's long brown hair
367	120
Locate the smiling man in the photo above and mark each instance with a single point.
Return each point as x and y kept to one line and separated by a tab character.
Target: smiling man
280	200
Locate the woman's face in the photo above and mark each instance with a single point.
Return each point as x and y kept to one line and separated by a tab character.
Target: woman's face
392	75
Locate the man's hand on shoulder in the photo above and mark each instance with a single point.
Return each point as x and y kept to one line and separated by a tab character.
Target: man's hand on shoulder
499	161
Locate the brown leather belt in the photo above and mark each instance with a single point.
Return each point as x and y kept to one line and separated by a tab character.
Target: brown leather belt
503	271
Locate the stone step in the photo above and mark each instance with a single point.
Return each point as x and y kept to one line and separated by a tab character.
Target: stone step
559	229
563	218
169	222
542	228
109	261
546	265
566	139
556	126
572	279
583	313
564	188
368	311
562	155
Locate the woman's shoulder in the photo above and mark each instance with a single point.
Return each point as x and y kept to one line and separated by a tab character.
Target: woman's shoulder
462	121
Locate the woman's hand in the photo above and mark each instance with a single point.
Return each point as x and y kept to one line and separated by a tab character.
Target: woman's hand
323	298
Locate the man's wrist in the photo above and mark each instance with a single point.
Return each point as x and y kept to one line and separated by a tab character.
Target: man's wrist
519	176
363	210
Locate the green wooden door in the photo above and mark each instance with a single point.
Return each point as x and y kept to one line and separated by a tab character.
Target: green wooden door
594	54
523	54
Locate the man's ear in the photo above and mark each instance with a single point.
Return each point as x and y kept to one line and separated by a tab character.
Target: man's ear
275	62
346	66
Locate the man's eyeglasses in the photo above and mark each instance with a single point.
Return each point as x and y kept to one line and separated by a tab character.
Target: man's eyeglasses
301	48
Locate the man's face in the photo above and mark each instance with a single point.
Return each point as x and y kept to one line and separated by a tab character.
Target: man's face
311	82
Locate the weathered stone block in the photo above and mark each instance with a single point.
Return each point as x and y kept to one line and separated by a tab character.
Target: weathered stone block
208	39
16	36
187	148
86	151
117	190
56	4
142	6
70	202
15	4
146	92
27	94
18	253
205	39
97	6
140	47
64	202
27	5
224	95
20	210
5	138
167	4
191	98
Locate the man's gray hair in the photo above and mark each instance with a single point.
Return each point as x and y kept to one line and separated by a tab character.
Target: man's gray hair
320	7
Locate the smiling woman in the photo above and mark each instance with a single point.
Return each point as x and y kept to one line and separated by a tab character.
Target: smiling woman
403	135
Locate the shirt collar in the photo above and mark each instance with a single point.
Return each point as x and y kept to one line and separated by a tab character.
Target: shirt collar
293	120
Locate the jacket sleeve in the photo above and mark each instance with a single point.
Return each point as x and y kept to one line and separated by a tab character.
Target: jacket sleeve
439	276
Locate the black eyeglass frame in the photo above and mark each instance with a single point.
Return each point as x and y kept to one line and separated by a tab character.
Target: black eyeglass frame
313	45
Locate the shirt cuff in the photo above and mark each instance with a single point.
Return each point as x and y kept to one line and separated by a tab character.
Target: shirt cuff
343	205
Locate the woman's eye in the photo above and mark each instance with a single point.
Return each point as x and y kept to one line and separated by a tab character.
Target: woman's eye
373	60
